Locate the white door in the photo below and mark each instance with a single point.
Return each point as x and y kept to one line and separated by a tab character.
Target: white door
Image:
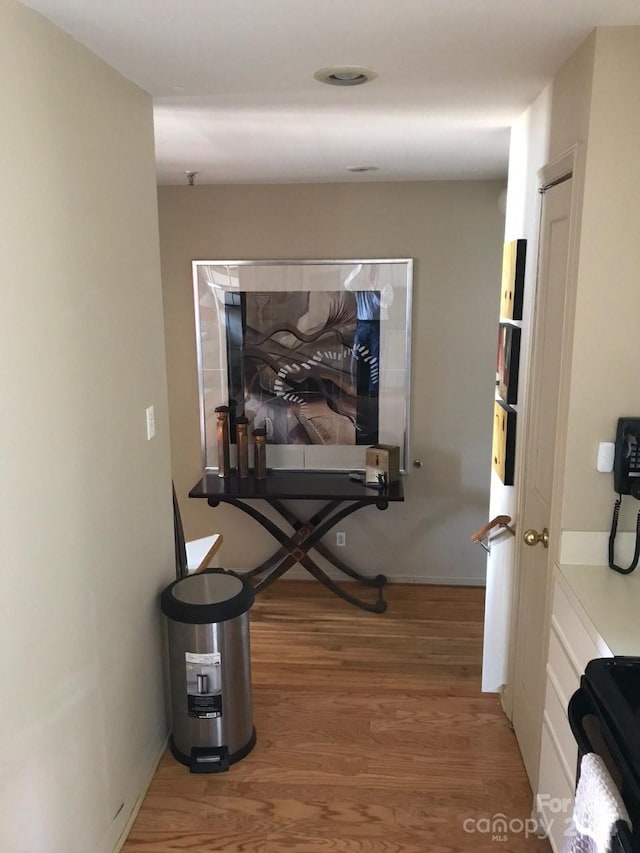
538	471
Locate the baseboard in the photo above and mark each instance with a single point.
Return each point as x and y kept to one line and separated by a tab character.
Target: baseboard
445	581
297	573
140	799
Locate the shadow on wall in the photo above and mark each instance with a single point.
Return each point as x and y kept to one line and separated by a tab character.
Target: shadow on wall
437	488
442	471
441	474
432	528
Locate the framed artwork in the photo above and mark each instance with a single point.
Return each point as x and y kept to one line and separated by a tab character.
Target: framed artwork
315	352
513	268
508	365
504	442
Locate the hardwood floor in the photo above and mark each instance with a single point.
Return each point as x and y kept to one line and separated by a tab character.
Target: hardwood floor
373	737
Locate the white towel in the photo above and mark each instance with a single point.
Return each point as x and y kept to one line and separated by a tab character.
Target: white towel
598	807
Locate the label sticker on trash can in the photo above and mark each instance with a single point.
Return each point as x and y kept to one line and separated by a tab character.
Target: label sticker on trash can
204	685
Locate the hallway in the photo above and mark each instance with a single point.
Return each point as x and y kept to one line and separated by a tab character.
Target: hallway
373	737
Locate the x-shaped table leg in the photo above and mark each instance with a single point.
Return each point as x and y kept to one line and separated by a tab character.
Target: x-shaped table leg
295	548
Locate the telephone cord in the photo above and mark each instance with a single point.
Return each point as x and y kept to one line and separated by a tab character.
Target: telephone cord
612	540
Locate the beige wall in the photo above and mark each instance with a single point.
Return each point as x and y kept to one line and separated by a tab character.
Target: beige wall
454	232
571	100
604	377
86	529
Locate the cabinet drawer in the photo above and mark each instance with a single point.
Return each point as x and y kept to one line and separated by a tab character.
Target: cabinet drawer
554	800
561	668
555	717
572	633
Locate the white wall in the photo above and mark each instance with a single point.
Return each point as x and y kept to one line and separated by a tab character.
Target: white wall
556	120
86	525
454	232
591	102
529	150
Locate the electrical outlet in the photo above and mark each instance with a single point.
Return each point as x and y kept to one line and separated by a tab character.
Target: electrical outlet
151	423
341	538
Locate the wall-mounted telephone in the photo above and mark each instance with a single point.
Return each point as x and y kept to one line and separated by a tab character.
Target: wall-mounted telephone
626	464
626	481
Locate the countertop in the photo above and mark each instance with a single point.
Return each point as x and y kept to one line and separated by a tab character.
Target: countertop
610	601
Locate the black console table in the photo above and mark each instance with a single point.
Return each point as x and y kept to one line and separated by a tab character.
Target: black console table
341	497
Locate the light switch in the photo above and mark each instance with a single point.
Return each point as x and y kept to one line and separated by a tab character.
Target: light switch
151	423
606	452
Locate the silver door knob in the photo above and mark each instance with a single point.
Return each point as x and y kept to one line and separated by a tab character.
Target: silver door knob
532	537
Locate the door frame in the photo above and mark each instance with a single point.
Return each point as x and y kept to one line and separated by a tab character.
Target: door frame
570	162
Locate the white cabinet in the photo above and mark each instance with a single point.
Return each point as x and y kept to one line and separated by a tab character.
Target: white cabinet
594	614
573	642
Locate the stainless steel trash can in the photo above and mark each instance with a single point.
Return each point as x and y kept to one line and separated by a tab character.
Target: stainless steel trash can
210	669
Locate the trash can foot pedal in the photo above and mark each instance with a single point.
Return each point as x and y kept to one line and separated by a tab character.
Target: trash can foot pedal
209	759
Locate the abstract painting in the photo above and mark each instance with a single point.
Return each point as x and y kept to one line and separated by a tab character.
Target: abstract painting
504	442
514	260
508	366
316	353
305	365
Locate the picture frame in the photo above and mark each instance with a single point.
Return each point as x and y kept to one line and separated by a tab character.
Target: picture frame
508	362
317	352
504	442
514	258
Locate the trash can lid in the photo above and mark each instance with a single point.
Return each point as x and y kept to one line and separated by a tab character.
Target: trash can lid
207	597
207	588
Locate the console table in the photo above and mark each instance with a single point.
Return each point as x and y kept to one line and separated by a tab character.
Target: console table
341	497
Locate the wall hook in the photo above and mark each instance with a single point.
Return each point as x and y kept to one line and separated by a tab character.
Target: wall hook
482	536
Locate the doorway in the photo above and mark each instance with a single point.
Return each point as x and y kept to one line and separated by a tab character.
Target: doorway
538	499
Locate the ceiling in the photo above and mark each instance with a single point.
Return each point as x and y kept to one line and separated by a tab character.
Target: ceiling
235	97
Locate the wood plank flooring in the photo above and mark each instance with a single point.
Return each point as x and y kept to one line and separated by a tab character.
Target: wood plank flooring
373	737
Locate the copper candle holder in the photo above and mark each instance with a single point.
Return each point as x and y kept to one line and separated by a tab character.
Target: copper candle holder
222	433
260	454
242	442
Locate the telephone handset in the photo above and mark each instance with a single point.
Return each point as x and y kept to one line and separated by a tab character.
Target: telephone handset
626	481
626	465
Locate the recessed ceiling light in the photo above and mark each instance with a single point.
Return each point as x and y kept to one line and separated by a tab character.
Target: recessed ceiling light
362	168
345	75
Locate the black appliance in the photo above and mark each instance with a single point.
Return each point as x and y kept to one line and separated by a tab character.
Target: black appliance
604	715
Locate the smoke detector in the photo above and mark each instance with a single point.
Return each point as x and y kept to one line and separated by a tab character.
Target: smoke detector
345	75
